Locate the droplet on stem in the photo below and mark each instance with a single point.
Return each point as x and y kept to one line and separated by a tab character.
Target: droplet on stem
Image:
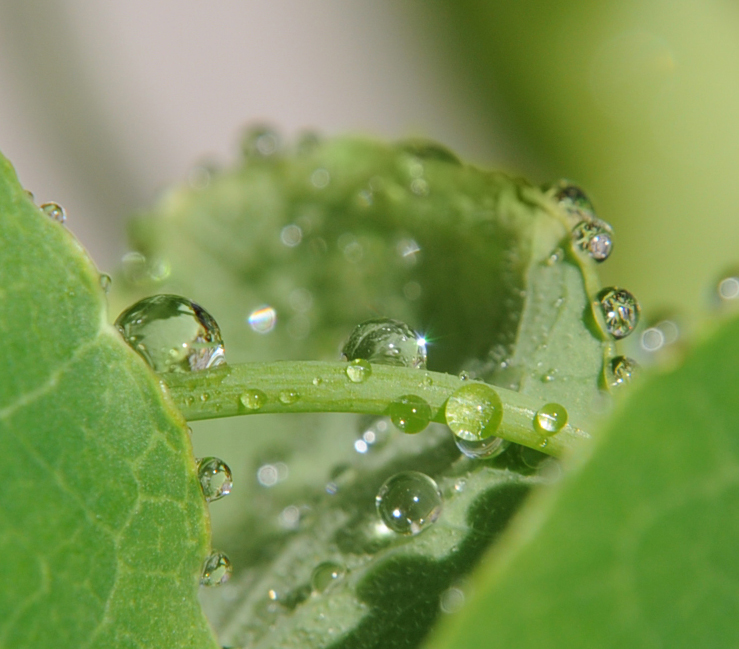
620	311
474	412
594	238
358	370
215	478
387	342
54	211
550	419
217	570
253	399
620	371
410	413
325	575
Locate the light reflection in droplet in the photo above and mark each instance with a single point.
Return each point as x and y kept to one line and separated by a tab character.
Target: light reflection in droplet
263	319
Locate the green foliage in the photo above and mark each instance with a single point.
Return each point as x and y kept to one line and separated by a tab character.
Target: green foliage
102	526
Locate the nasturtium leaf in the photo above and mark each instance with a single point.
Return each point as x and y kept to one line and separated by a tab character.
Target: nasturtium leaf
103	528
637	547
329	234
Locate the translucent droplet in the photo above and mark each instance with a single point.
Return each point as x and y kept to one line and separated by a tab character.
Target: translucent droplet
620	371
260	142
620	311
594	238
291	235
550	419
317	381
359	370
428	150
268	475
215	478
54	211
171	333
105	282
216	570
727	288
572	198
325	575
485	449
320	178
410	413
451	600
288	397
388	342
253	399
420	187
409	502
263	319
474	412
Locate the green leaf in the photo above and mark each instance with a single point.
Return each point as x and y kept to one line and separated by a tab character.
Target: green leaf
330	234
103	528
636	548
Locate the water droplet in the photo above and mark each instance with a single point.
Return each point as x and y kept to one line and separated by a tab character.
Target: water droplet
260	142
215	478
253	399
408	502
217	570
54	211
291	235
573	199
420	187
387	342
550	419
474	412
620	311
620	371
268	475
263	319
594	238
288	397
727	288
464	375
358	370
325	575
451	600
410	413
105	282
317	381
428	150
652	339
485	449
289	517
171	333
320	178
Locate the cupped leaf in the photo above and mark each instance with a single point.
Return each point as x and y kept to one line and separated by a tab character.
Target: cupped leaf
103	528
637	547
330	234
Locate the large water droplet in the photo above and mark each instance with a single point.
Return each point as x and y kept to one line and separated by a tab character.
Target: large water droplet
325	575
171	333
484	449
410	413
215	478
253	399
620	311
474	412
388	342
620	371
409	502
358	370
594	238
550	419
54	211
217	570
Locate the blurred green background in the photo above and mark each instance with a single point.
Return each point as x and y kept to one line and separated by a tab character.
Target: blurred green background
103	104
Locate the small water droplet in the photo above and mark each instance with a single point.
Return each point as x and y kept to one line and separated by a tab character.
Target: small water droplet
54	211
420	187
620	371
325	575
215	478
388	342
427	380
317	381
429	150
253	399
727	289
620	311
288	397
217	570
171	333
550	419
320	178
451	600
204	397
263	319
291	235
410	413
594	238
289	517
260	141
484	449
464	375
408	502
105	282
474	412
551	375
268	475
358	370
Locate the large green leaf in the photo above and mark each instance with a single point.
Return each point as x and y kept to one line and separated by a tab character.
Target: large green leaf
103	528
637	548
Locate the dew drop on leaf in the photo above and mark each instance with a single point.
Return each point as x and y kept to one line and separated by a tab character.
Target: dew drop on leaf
620	371
594	238
253	399
410	413
573	199
171	333
325	575
474	412
358	370
620	311
408	502
387	342
484	449
217	570
54	211
215	478
550	418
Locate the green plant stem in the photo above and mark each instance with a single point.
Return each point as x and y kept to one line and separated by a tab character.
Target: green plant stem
325	387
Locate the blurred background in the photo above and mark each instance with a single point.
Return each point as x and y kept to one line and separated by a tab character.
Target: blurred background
103	104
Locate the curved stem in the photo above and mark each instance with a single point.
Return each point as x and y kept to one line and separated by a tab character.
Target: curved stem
314	386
